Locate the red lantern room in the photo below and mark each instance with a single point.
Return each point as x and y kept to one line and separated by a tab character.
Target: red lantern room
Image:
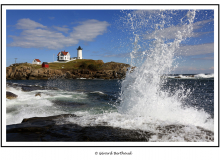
45	65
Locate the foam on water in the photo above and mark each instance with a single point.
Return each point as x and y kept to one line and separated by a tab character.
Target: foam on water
204	76
197	76
163	131
27	105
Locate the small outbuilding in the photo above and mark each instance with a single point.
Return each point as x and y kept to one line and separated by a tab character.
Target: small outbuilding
45	65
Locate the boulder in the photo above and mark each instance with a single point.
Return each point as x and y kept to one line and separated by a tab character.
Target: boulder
58	72
40	72
68	75
10	95
34	73
14	69
28	71
85	71
38	94
12	74
32	78
18	75
8	70
114	74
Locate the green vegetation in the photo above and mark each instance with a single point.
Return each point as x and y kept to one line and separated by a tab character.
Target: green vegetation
77	64
34	66
114	65
92	65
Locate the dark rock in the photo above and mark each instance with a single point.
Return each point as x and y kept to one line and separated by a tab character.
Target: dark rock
114	74
50	129
8	72
68	74
38	94
50	118
10	95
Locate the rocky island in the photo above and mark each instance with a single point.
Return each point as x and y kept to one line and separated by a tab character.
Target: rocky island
80	68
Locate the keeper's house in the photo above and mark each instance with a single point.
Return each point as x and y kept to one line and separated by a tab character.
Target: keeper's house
63	56
36	61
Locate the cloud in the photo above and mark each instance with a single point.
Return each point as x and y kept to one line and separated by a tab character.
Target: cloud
187	50
173	31
62	29
39	36
200	24
28	24
89	29
192	50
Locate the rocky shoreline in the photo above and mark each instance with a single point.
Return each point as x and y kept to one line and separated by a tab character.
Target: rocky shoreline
57	128
31	73
52	129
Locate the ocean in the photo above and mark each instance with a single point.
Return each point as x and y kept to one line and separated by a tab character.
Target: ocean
98	102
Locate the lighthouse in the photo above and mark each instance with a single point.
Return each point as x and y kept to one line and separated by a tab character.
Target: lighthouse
79	53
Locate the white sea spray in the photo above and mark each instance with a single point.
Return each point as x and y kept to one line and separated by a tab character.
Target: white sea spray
142	98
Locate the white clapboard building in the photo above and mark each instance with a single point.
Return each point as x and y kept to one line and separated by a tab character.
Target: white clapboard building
63	56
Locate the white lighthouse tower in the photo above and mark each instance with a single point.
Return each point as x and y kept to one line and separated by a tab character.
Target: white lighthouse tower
79	53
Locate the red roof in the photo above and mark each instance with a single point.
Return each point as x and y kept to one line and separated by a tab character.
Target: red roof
37	60
64	53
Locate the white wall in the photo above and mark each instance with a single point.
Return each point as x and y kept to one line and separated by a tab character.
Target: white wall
64	57
79	54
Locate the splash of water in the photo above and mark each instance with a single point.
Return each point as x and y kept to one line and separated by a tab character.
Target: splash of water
141	93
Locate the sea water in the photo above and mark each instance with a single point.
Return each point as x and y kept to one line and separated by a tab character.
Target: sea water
97	102
148	99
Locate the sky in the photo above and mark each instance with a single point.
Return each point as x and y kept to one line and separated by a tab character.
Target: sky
107	35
